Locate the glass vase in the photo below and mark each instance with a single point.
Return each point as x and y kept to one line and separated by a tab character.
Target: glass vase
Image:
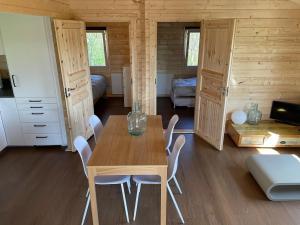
254	115
137	121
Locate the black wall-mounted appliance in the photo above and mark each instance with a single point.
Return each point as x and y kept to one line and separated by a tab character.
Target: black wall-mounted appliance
286	112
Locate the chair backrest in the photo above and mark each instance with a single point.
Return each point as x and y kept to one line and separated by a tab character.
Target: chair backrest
84	150
173	157
170	129
97	126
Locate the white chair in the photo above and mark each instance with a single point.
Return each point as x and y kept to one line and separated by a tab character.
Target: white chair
85	153
168	137
97	126
153	179
169	132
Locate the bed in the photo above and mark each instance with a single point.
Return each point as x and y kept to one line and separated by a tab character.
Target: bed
183	92
98	86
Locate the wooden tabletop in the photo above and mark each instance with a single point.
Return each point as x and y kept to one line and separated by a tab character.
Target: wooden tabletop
116	147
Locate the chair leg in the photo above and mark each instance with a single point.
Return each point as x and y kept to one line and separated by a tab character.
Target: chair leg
129	186
87	193
86	208
137	199
175	203
125	204
168	150
177	185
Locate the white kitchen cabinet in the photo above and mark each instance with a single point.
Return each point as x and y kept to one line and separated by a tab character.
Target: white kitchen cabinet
35	115
28	55
11	122
3	142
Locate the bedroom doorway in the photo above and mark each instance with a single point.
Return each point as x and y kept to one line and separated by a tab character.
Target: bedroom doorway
109	59
177	63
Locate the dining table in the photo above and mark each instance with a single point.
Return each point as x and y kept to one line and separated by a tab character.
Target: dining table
119	153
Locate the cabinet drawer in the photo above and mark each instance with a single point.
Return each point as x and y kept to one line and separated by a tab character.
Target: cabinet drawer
289	141
252	140
38	116
35	100
41	128
42	139
37	106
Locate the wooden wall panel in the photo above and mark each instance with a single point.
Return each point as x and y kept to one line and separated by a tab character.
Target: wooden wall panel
171	61
54	8
266	63
118	50
148	12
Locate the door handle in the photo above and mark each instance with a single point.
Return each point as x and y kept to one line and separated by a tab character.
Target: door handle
71	89
13	80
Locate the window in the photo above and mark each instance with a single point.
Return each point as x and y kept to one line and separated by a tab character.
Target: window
96	45
192	41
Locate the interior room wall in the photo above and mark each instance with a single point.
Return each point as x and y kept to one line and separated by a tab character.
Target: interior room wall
265	64
171	61
54	8
118	51
143	13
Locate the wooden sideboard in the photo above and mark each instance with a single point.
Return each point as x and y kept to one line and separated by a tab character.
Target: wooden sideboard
265	134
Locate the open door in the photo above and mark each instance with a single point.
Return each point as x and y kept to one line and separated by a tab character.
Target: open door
75	73
213	77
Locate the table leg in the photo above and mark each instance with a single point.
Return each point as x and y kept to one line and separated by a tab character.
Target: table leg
163	200
92	188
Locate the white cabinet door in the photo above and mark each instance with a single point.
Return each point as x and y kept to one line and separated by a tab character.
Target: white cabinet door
11	122
27	52
3	142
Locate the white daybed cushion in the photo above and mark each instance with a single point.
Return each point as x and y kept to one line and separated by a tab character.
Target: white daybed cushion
277	175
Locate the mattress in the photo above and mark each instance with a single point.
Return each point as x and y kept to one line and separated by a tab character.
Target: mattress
98	86
184	87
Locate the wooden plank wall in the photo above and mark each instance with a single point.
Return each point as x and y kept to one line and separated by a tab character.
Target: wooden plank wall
270	13
119	11
143	15
54	8
118	50
266	63
171	61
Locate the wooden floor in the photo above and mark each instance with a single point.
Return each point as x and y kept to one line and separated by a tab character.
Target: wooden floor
47	187
166	110
114	106
110	106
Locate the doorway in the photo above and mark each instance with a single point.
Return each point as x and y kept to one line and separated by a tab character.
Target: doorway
109	59
177	63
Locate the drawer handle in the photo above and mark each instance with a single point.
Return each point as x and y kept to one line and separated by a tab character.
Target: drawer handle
35	100
39	125
283	142
37	113
40	137
36	107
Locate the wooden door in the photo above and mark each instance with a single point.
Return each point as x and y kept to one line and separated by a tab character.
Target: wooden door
75	72
213	76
